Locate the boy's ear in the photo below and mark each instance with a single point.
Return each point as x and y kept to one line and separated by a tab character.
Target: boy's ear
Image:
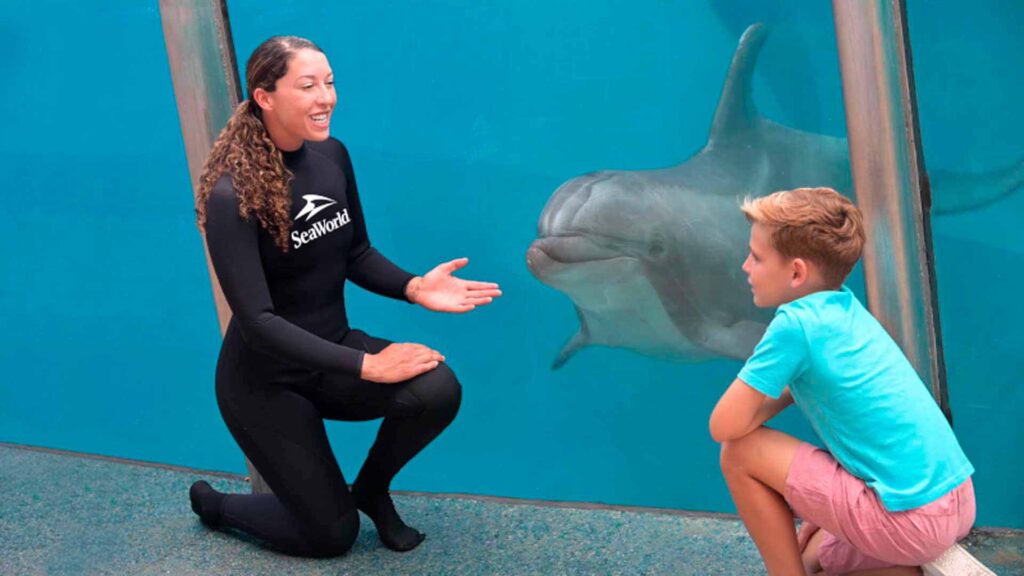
800	272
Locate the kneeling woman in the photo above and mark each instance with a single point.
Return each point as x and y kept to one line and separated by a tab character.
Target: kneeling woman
279	204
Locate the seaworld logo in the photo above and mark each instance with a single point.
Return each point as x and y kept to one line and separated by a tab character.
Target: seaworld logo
314	205
320	228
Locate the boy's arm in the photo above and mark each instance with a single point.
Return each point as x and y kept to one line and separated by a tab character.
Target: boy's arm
772	406
742	409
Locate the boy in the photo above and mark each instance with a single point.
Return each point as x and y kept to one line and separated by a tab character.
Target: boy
893	491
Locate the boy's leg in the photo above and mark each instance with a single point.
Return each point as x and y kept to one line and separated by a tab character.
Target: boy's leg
755	468
895	571
809	551
812	560
857	533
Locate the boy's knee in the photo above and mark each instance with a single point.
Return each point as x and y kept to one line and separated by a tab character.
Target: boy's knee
733	455
726	455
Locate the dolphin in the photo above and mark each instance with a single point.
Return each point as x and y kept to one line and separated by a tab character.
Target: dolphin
651	258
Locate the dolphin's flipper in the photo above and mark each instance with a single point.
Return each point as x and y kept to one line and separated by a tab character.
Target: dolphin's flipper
954	192
735	341
730	340
579	340
736	111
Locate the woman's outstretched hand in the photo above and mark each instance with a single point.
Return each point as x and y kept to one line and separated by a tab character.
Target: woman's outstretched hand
438	290
399	362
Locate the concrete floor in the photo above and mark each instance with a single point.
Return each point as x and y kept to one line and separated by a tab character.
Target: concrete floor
64	513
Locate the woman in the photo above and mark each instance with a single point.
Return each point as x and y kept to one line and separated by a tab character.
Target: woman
280	208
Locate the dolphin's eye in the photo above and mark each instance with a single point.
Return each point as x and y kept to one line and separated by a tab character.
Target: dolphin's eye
657	249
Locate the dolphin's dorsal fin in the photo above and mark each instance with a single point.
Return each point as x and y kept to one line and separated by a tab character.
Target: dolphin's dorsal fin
736	111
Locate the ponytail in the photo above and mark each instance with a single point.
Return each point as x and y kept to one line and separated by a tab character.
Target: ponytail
261	181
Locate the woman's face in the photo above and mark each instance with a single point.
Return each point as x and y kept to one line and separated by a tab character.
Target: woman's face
301	104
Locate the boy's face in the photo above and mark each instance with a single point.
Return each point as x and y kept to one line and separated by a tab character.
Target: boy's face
769	273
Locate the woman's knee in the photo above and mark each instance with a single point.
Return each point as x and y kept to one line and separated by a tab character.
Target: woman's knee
437	392
336	537
445	390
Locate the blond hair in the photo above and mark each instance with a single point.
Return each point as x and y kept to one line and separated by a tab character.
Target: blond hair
817	224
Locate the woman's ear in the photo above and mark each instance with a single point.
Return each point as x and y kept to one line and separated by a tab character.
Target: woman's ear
263	99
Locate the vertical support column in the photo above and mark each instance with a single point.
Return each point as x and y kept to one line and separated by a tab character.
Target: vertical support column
206	87
890	180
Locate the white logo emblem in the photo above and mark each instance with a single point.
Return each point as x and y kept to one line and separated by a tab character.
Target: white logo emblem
320	227
314	204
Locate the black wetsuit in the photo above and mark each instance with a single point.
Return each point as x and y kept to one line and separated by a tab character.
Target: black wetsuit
289	360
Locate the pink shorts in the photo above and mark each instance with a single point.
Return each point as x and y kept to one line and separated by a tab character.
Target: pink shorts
860	533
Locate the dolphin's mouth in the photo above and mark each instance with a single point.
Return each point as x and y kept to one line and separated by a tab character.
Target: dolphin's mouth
573	249
554	256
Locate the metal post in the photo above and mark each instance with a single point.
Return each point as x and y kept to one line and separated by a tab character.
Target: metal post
890	181
205	76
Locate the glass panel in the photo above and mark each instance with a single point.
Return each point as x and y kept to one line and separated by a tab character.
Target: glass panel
104	300
969	80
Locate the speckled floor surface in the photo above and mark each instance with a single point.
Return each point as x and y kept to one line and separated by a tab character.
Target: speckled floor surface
67	514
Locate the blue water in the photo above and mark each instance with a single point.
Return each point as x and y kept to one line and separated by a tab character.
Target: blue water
462	118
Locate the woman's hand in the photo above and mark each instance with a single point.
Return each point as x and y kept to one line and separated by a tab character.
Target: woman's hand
438	290
399	362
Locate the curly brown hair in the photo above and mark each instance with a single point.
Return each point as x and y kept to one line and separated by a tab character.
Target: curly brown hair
245	151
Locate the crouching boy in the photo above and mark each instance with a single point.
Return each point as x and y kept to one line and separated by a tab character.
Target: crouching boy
891	489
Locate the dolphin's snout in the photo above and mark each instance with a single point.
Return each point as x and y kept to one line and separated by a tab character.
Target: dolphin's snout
537	260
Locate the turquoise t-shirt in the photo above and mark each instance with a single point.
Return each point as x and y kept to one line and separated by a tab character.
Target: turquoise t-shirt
861	396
